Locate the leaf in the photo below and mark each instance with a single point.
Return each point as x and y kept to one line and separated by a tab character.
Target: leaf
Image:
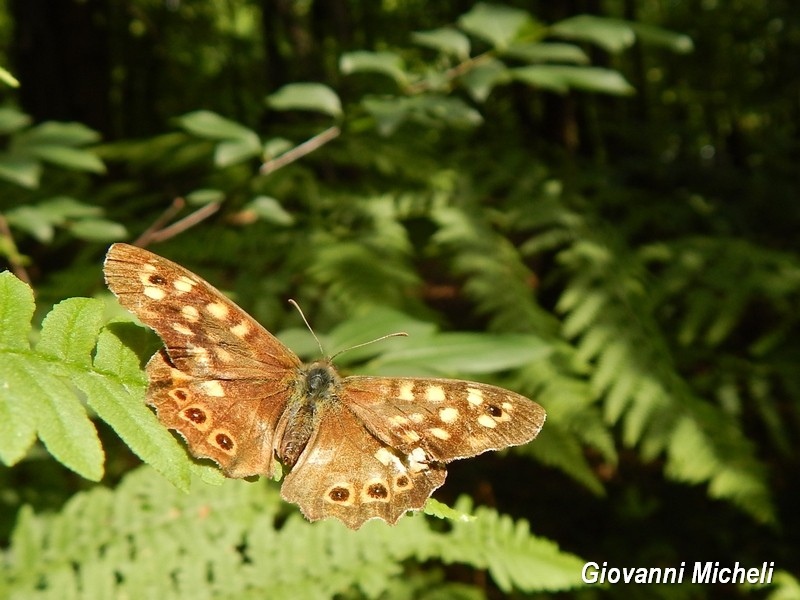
7	78
17	426
39	386
431	110
499	25
116	393
465	353
386	63
537	52
613	35
144	539
69	331
210	125
12	120
446	40
56	133
16	311
205	196
440	510
232	152
562	78
270	210
306	96
514	558
22	170
658	36
481	80
60	208
98	230
70	158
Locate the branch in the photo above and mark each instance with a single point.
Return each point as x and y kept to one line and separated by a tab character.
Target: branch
300	151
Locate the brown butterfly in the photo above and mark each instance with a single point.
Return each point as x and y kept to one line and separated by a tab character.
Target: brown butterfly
358	448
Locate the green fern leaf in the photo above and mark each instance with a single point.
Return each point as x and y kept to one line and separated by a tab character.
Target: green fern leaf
145	539
41	388
38	397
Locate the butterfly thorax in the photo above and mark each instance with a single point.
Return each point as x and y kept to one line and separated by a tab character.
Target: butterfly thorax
316	387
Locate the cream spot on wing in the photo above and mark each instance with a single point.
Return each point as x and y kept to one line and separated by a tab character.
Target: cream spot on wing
199	353
474	396
416	417
399	420
440	433
182	329
190	313
406	391
154	293
183	284
217	310
503	416
487	421
435	393
506	406
241	329
223	355
417	460
212	388
384	456
149	267
178	376
410	435
448	415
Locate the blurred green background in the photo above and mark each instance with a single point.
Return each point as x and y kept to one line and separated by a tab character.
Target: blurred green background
592	203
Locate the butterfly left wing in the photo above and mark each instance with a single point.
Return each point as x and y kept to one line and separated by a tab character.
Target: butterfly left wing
347	473
445	419
222	381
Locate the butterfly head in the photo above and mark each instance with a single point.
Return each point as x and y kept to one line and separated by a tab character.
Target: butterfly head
320	378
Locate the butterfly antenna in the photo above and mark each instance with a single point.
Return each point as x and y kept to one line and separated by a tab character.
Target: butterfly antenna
383	337
300	310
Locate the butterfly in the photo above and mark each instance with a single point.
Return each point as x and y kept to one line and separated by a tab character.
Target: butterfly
357	447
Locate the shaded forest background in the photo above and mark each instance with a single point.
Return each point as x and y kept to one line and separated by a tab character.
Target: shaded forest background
614	181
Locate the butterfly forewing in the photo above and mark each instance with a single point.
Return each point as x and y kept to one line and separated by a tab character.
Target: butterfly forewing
202	330
359	448
447	419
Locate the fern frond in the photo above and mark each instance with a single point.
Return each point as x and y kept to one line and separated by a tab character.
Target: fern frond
490	264
146	539
636	373
74	361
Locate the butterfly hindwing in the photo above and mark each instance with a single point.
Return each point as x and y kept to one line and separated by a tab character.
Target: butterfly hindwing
347	473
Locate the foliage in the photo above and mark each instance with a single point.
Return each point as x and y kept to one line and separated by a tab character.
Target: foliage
485	180
146	538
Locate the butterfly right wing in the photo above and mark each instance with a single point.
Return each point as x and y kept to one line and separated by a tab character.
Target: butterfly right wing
222	380
444	419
